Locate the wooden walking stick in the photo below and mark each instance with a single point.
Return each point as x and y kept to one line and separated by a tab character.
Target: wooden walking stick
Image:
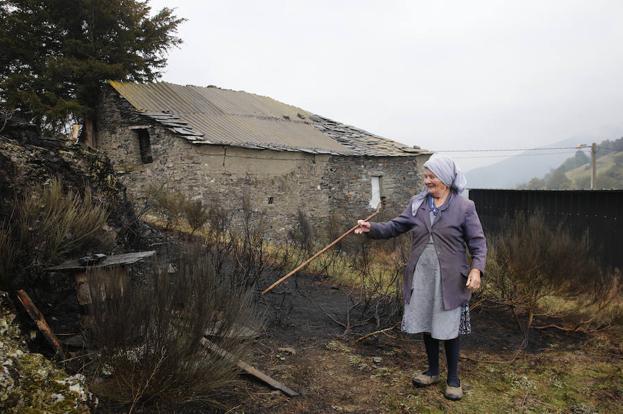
327	247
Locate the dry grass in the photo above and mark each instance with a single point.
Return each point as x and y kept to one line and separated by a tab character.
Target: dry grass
50	224
57	223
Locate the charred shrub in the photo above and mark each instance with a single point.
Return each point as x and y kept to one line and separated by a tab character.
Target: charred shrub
195	213
166	203
302	234
152	339
236	244
531	260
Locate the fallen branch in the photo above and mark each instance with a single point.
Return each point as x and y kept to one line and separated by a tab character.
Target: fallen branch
343	325
375	333
36	315
581	327
248	368
330	316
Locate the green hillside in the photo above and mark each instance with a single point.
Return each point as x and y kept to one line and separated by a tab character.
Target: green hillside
609	167
575	172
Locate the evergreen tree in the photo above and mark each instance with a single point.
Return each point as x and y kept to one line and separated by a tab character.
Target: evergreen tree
57	54
580	158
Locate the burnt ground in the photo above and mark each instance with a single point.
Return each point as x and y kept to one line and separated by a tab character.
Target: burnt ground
559	372
303	344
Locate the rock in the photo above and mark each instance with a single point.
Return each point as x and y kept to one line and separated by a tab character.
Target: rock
31	383
377	360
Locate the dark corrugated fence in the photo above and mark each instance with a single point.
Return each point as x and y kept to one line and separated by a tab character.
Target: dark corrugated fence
596	212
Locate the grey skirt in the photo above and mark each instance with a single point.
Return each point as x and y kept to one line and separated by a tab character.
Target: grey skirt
424	312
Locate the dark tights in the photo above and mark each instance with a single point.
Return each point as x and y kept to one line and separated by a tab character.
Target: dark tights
452	358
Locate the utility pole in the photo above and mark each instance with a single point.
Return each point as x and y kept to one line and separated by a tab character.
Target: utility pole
593	166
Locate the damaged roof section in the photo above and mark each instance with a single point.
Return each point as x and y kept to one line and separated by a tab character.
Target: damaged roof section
362	142
211	115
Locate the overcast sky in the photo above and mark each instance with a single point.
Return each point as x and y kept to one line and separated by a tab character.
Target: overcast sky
438	74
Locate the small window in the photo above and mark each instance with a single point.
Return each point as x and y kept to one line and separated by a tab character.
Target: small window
144	143
270	200
376	191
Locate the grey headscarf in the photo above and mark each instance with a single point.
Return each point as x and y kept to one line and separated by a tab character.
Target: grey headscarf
446	170
448	173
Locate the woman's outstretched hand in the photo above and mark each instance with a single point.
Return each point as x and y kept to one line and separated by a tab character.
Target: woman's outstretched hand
363	227
473	280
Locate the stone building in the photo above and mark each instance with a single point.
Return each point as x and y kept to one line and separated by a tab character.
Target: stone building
220	145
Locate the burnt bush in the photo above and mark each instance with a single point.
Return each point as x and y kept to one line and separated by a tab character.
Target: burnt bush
166	203
195	213
302	234
376	296
151	340
531	260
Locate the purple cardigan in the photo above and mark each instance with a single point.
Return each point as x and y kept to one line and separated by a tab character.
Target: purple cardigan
457	226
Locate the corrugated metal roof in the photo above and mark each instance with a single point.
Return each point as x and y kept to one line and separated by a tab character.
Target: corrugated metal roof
211	115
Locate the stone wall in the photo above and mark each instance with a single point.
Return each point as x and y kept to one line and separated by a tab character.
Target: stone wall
277	184
349	183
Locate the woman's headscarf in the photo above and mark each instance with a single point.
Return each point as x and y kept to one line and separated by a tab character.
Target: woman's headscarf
448	173
446	170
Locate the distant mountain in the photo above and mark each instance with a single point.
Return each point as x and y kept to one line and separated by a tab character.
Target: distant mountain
520	168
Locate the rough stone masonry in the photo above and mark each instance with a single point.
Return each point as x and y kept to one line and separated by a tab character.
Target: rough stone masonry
278	184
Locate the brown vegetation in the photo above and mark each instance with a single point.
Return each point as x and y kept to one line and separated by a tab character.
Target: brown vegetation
48	225
149	340
532	260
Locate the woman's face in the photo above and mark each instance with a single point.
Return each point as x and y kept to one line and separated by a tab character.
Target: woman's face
434	185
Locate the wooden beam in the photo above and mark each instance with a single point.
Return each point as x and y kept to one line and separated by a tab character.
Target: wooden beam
39	319
249	369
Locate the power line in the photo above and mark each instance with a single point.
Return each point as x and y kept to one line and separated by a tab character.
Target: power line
508	156
517	149
601	150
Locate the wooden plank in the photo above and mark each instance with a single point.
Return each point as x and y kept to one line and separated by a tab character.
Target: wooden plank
37	316
249	369
115	260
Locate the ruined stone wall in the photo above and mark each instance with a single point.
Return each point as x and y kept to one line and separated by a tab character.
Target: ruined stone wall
277	184
349	183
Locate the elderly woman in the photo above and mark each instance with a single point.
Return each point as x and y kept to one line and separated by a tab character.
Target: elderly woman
438	280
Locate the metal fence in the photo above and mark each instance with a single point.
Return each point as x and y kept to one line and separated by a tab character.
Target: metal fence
596	212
